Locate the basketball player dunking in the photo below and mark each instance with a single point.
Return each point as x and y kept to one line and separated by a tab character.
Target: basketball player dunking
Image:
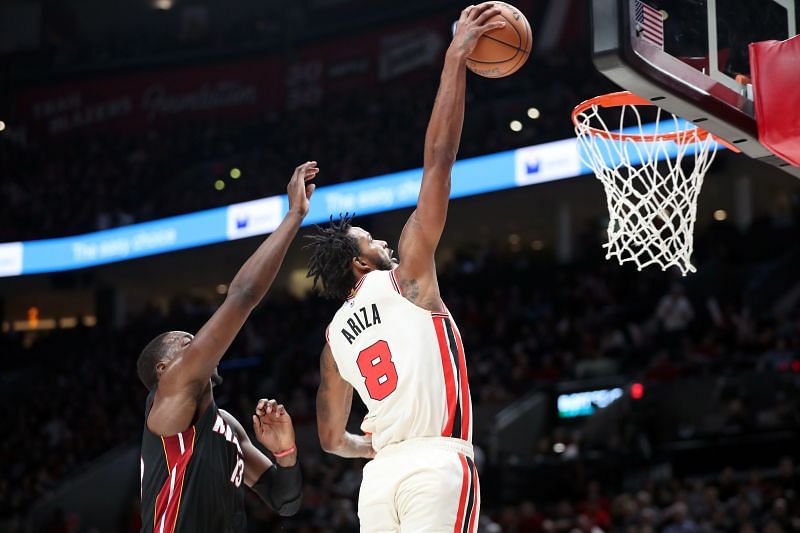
394	341
195	456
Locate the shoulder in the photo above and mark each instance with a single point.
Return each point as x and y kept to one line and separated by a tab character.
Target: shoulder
229	418
379	281
235	425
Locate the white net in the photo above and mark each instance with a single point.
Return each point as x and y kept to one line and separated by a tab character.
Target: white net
651	186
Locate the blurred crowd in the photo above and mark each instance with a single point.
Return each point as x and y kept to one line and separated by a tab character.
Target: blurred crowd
72	395
766	500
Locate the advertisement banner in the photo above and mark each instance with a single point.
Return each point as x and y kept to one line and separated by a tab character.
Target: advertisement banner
141	100
394	53
547	162
10	259
128	242
406	51
257	217
364	60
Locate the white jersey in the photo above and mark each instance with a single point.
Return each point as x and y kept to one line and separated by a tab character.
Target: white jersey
406	363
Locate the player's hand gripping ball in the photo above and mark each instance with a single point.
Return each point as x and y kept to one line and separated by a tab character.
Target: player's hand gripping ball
501	50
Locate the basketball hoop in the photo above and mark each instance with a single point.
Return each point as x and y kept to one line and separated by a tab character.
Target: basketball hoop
652	205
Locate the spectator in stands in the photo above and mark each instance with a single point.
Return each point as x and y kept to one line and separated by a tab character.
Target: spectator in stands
674	313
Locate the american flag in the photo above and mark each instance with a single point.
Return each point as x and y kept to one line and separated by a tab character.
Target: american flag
649	24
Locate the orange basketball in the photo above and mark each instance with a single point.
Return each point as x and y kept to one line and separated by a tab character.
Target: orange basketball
503	51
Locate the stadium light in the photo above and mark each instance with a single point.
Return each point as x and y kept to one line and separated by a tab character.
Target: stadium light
33	317
637	391
533	113
2	125
219	185
720	215
515	125
236	173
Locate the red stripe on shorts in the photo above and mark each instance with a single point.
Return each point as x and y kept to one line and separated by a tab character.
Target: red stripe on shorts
462	499
476	500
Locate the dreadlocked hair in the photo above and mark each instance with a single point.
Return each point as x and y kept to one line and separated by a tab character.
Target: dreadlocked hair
333	250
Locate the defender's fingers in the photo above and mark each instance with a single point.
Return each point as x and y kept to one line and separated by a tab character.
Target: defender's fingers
465	13
271	405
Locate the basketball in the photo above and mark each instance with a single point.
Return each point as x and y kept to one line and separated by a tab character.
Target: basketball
502	52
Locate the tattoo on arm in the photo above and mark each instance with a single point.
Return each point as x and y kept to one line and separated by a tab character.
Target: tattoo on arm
410	289
468	41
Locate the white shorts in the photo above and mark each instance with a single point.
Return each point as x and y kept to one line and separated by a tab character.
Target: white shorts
421	485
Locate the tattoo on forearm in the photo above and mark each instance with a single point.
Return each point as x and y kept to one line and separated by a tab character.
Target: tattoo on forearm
468	41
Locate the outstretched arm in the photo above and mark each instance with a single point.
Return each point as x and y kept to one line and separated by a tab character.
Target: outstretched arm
246	290
180	387
421	234
334	399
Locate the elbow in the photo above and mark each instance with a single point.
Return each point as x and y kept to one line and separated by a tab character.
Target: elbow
291	508
329	441
441	157
242	295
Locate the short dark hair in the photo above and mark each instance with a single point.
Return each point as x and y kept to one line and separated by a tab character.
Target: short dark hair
154	352
331	259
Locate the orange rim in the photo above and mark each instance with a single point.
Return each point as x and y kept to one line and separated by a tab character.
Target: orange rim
626	98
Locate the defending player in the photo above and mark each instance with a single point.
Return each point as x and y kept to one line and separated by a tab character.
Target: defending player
394	341
194	455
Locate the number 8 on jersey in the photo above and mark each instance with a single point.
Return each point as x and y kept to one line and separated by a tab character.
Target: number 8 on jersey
378	370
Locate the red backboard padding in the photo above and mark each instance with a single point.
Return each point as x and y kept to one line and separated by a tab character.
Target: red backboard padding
775	70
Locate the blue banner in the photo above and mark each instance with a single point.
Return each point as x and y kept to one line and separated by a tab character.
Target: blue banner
478	175
120	244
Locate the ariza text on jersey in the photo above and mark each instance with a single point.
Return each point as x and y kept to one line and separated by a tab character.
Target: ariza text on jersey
361	320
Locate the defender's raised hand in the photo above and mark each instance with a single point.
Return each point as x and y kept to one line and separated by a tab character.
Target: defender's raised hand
473	23
299	189
273	428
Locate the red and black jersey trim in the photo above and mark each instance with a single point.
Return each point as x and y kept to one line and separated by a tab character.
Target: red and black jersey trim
395	283
178	450
454	367
355	289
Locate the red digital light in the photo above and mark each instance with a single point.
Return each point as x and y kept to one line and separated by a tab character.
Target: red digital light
637	391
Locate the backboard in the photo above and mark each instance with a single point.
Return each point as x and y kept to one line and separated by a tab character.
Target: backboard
690	57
